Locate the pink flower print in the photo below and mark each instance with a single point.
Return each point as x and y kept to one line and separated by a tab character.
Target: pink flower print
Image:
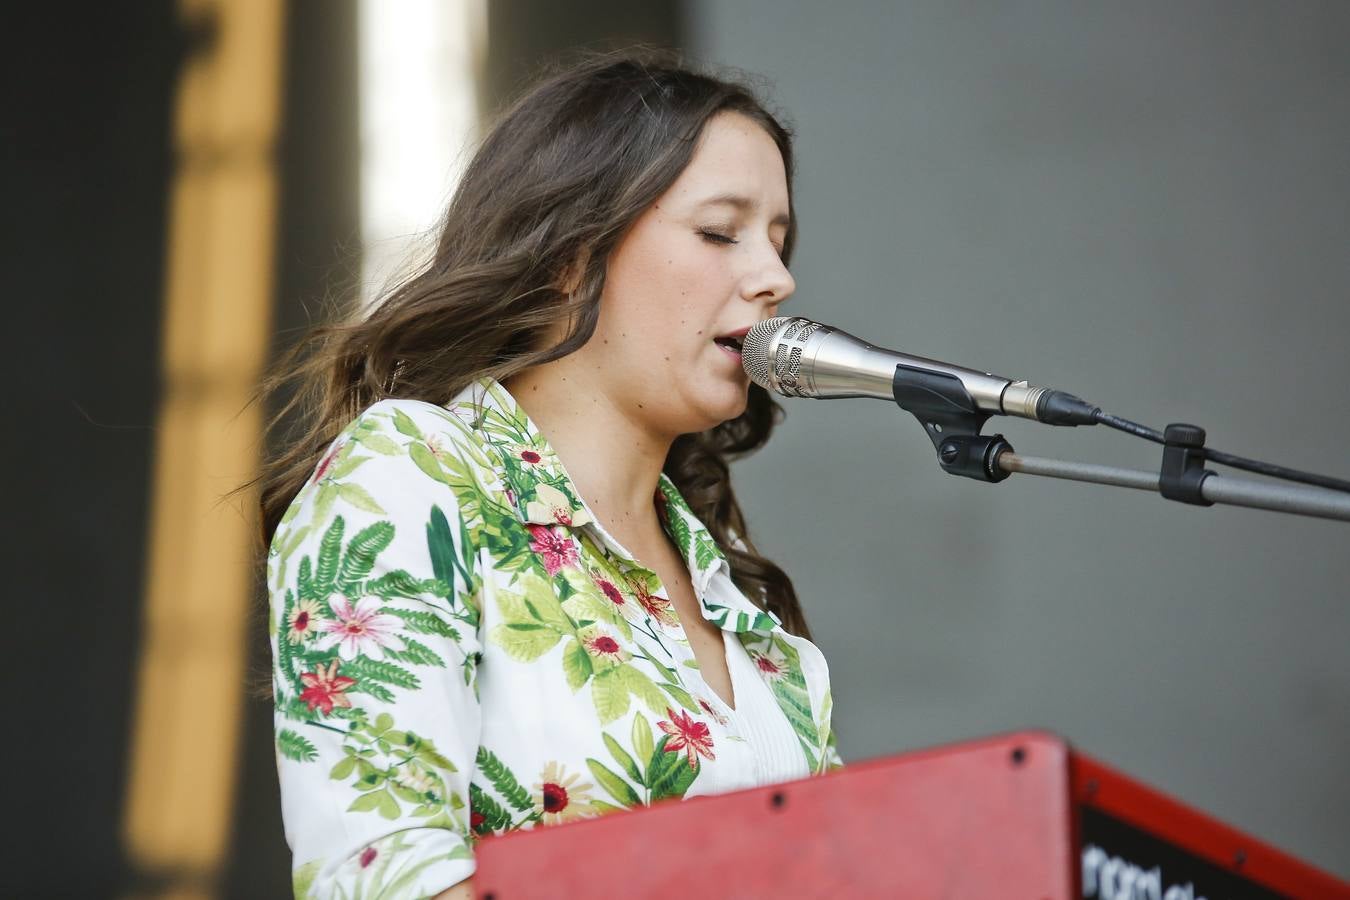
694	738
659	608
551	505
608	588
602	645
707	708
324	688
368	856
360	629
436	446
304	621
327	462
556	548
562	796
530	457
768	666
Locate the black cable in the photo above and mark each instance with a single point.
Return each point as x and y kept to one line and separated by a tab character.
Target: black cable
1129	427
1274	471
1227	459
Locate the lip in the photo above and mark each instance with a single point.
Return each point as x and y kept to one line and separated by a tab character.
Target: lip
739	334
734	354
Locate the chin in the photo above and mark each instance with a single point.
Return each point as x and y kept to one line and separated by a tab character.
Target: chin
725	403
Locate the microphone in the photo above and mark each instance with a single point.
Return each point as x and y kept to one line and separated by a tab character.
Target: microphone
796	357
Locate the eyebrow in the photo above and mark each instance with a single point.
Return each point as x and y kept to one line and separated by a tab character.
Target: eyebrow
743	203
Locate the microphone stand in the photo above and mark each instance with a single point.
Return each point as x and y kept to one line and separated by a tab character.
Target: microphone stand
953	422
1289	498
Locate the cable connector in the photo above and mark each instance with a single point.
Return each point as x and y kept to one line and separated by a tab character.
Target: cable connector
1060	408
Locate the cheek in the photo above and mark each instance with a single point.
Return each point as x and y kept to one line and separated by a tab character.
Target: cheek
666	301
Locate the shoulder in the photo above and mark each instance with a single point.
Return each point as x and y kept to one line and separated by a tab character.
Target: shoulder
418	432
404	419
396	455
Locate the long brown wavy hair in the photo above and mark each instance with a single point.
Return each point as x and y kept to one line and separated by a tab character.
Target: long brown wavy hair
554	184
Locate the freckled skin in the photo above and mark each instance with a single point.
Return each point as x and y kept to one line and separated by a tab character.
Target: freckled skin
673	289
669	288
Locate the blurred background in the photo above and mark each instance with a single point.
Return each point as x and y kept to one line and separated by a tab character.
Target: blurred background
1147	204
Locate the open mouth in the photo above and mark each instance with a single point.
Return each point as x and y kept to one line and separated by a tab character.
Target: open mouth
730	344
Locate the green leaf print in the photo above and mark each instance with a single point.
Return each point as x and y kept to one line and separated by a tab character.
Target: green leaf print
327	496
661	668
344	767
303	879
503	780
460	476
358	496
586	604
706	551
425	460
404	424
576	665
680	696
622	758
610	695
495	818
304	580
399	583
679	530
293	541
468	551
525	643
398	883
330	548
285	650
293	746
644	688
642	739
669	773
380	444
541	601
379	800
441	546
365	670
619	789
348	466
420	621
359	559
824	733
416	653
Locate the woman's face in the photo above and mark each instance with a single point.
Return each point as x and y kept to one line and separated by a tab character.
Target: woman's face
702	261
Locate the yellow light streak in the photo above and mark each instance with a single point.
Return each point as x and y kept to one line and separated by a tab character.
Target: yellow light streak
217	312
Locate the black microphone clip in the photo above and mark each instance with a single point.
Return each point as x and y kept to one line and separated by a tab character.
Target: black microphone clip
952	421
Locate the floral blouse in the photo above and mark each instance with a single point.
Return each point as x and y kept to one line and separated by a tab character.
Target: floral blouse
460	649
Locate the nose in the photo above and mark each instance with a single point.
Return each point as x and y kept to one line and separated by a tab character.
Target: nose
771	283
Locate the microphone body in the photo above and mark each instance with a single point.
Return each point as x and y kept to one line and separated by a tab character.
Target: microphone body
796	357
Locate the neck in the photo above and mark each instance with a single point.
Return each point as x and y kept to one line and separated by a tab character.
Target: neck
612	455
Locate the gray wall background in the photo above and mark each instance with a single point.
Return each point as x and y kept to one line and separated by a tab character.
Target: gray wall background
1147	204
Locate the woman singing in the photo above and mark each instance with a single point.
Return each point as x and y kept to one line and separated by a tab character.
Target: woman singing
510	583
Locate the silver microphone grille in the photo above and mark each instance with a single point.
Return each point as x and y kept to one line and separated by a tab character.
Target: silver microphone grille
755	349
771	353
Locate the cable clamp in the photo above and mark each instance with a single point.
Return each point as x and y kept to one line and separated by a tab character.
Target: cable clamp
1183	464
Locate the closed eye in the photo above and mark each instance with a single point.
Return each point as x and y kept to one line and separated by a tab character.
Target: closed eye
716	238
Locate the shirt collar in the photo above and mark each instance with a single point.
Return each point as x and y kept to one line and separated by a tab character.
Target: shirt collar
538	488
540	492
